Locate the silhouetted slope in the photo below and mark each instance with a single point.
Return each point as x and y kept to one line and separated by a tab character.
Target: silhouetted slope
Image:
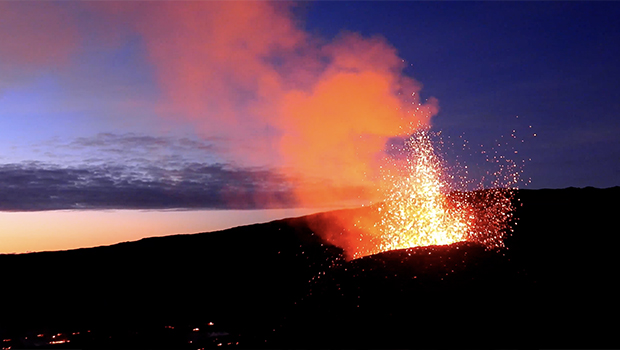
437	296
569	239
281	282
246	275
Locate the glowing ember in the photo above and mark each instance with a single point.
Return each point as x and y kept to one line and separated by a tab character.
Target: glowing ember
422	206
417	211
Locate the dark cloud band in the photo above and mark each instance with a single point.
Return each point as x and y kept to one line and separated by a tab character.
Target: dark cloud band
35	186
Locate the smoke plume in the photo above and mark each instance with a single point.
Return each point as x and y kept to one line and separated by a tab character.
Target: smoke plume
249	73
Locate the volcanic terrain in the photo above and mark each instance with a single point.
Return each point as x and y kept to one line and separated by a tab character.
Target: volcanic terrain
282	284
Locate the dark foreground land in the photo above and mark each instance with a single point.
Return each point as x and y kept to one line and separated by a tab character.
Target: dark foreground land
280	284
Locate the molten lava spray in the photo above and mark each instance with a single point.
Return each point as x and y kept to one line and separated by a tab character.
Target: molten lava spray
424	206
417	211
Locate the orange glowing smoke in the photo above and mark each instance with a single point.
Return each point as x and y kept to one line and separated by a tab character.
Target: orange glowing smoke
422	207
275	96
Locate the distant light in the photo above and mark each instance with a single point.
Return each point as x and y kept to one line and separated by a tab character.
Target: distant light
59	341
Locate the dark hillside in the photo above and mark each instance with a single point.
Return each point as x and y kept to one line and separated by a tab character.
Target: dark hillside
438	296
280	284
246	275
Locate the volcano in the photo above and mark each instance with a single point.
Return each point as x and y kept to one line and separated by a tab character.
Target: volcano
283	284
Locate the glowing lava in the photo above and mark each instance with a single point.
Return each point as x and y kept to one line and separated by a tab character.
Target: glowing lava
423	207
417	211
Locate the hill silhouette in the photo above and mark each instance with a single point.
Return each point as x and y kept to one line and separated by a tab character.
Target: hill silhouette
282	284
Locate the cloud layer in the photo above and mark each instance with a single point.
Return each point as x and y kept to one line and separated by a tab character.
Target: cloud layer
35	186
132	171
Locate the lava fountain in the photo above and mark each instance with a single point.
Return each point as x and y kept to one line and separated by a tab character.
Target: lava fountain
424	206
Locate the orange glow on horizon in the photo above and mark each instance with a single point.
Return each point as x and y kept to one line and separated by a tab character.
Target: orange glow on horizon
70	229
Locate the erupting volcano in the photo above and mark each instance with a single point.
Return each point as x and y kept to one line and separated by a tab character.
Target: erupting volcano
423	205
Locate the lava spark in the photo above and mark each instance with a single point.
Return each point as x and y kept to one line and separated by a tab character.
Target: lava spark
424	206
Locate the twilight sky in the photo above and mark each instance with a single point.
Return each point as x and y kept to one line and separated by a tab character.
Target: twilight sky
121	120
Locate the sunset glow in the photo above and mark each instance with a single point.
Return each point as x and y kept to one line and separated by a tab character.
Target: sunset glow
70	229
